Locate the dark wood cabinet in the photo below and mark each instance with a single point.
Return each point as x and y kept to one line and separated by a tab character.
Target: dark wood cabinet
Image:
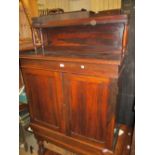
72	86
70	103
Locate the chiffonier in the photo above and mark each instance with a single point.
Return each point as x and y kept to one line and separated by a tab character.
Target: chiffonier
72	82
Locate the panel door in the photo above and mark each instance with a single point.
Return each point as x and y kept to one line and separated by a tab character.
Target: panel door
87	99
45	97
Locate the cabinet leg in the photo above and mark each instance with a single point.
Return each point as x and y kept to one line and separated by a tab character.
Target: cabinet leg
41	150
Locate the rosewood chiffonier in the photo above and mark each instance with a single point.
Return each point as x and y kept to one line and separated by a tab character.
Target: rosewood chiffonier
72	82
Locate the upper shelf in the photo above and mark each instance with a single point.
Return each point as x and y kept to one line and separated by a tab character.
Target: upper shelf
96	37
82	21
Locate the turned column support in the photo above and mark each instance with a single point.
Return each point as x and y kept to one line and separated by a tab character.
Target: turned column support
41	149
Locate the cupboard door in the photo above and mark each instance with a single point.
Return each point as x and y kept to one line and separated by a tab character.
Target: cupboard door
87	99
44	96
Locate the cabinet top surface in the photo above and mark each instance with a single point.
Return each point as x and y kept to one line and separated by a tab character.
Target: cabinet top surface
66	54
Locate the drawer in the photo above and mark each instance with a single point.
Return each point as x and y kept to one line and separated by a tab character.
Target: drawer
109	70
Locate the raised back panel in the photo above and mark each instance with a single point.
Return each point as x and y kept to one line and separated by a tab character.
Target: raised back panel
99	38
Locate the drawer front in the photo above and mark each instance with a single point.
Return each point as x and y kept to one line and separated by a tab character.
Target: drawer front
83	68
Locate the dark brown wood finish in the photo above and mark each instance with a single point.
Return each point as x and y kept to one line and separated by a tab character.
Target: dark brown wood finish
109	12
123	145
44	94
88	97
83	21
132	152
97	68
72	86
99	38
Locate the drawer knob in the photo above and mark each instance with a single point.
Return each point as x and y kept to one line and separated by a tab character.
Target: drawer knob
62	65
93	22
82	66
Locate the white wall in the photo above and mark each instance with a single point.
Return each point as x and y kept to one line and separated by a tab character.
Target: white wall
73	5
